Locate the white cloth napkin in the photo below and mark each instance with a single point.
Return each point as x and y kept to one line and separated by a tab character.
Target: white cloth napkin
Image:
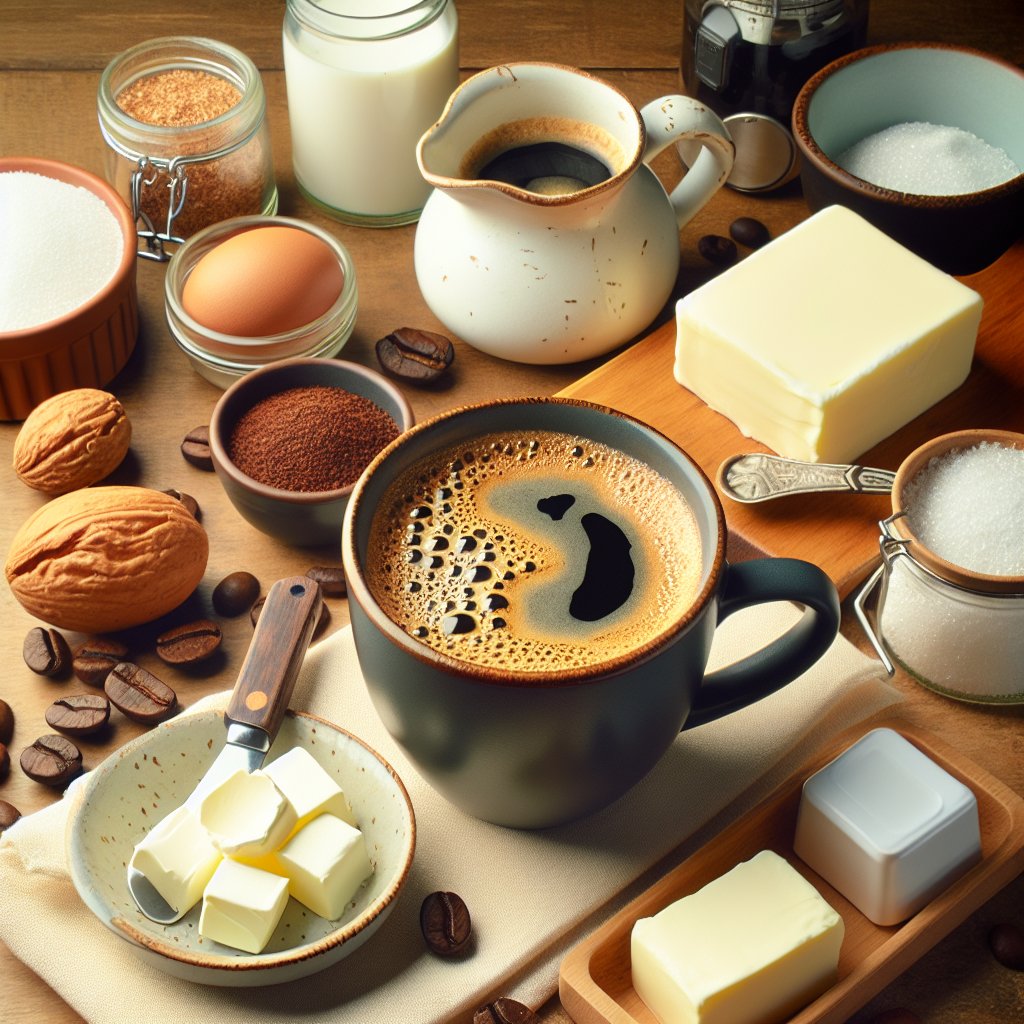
531	895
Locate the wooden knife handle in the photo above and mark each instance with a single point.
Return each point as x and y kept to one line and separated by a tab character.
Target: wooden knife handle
283	631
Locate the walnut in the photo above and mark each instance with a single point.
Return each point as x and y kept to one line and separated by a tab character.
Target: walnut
72	440
102	559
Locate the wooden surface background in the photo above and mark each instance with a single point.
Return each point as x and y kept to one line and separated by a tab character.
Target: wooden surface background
51	56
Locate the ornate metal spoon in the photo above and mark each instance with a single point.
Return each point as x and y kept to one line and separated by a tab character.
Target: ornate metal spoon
758	477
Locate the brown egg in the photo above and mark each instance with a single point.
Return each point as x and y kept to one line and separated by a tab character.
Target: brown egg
263	281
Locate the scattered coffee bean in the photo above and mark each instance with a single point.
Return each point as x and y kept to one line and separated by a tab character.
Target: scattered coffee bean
236	593
415	355
331	579
80	714
196	448
188	501
139	695
52	760
505	1011
717	249
190	643
6	722
1007	944
46	651
321	622
9	814
5	762
95	658
445	923
749	232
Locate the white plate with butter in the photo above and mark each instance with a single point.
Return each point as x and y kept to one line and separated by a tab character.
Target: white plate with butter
147	779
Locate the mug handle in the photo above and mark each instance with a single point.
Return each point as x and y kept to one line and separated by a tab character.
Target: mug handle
681	117
769	669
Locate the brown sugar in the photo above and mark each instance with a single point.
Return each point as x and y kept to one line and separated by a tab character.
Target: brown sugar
180	98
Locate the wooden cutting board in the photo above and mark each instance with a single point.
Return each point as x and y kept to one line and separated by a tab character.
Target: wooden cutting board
838	532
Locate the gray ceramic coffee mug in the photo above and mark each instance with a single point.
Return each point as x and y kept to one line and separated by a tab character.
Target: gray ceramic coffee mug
535	749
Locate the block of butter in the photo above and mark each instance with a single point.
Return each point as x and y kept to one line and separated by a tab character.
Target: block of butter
307	787
826	340
751	947
247	816
242	906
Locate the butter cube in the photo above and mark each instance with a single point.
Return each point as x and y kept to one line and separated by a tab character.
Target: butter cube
247	815
752	947
325	862
178	857
307	787
826	340
887	827
242	906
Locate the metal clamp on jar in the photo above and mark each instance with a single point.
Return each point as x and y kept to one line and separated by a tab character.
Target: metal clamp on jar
185	122
957	631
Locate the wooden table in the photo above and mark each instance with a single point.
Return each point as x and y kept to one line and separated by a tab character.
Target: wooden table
51	55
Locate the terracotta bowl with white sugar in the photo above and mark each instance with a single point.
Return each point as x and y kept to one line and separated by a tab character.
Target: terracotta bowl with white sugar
53	337
926	141
116	803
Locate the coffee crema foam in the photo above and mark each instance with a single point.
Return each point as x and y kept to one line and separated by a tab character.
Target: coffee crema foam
533	551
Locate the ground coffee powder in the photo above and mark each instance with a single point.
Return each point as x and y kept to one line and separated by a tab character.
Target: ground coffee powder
316	438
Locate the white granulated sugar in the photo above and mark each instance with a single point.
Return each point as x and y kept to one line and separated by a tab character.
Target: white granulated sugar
59	245
967	507
928	160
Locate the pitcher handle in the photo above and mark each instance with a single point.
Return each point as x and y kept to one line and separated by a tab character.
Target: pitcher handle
672	118
780	662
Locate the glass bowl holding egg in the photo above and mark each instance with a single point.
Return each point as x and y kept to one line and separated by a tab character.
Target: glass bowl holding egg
254	290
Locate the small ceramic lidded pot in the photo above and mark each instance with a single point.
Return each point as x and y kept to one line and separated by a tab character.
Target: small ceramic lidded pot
951	605
548	238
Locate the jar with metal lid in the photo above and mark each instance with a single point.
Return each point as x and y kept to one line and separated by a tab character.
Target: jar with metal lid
365	81
185	122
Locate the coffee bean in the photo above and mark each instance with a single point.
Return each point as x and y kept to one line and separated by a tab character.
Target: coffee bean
331	579
46	651
236	593
139	695
52	760
196	448
80	714
1007	944
93	659
9	814
718	250
445	923
6	722
749	232
190	643
321	623
188	501
415	355
5	762
505	1011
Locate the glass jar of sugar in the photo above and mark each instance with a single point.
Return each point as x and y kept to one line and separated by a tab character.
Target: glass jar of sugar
184	119
950	590
365	79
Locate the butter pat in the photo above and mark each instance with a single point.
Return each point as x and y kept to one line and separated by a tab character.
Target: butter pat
307	787
325	862
826	340
247	815
242	906
752	947
178	857
887	827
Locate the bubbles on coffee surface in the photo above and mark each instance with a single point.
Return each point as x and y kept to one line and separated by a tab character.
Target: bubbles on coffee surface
533	551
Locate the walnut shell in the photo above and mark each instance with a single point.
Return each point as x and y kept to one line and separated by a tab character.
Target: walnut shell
106	558
72	440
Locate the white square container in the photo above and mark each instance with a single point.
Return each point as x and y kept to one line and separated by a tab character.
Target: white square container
887	827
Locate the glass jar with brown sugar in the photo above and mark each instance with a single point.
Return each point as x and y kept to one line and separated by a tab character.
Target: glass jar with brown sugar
185	122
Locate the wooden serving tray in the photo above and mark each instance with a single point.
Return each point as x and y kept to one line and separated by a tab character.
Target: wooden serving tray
838	532
595	984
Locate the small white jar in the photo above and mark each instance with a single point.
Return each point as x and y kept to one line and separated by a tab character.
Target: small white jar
365	79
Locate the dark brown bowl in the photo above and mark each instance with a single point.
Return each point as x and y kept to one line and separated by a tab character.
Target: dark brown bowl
874	88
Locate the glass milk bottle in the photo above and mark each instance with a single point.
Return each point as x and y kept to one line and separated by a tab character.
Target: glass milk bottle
365	79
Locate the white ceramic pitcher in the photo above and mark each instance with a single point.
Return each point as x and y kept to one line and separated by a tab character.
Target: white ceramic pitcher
548	238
